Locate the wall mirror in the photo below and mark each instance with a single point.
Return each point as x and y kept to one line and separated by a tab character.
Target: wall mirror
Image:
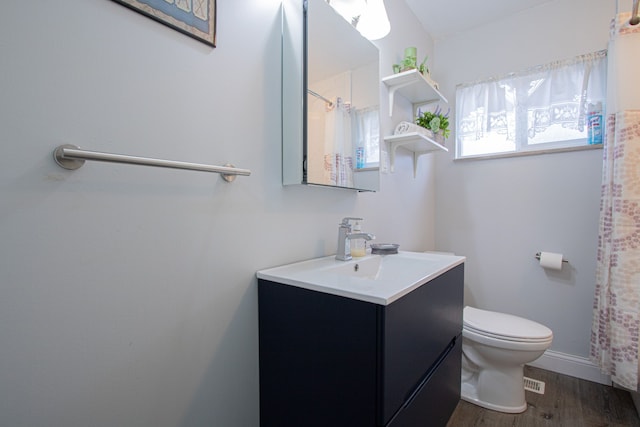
330	99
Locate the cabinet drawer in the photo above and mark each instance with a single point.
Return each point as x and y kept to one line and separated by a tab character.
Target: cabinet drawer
317	358
436	399
417	329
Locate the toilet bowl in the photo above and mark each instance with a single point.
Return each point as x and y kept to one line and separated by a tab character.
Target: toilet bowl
495	348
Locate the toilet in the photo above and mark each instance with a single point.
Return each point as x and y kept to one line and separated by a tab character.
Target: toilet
495	348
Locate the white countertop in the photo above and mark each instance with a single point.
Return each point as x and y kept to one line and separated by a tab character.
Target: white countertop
380	279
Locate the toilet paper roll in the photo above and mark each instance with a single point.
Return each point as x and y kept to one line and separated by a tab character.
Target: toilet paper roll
551	260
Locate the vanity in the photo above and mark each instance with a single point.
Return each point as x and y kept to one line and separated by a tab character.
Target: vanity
371	342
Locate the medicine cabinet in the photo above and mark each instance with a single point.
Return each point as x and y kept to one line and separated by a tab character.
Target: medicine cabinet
330	100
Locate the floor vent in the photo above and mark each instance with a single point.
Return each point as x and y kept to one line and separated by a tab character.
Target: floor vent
533	385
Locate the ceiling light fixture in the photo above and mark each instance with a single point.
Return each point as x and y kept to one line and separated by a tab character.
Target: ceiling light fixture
368	16
374	22
349	9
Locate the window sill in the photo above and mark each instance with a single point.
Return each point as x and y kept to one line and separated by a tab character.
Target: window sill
373	167
529	153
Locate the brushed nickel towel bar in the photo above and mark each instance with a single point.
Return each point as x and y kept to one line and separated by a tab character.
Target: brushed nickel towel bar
72	157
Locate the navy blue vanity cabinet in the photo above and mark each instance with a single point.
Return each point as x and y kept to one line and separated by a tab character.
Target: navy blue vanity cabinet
328	360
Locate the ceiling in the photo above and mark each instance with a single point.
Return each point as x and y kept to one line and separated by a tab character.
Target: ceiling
442	18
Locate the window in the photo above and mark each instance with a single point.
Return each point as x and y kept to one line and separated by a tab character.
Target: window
368	136
540	109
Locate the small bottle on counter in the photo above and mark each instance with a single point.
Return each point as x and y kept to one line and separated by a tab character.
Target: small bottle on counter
358	246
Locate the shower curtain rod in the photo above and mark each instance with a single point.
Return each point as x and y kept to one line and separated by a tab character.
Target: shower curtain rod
317	95
72	157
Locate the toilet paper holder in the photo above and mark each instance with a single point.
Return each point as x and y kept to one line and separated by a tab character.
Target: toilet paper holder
538	257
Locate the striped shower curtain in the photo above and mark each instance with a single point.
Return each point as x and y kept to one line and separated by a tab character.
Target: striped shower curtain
616	311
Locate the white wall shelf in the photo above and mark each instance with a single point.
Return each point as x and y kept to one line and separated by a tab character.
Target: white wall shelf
415	142
413	86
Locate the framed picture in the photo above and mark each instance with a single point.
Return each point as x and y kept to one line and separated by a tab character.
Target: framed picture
195	18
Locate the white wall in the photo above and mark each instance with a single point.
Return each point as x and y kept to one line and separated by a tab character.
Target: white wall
128	294
500	212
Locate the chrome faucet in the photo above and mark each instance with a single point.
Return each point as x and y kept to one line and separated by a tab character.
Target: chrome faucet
344	238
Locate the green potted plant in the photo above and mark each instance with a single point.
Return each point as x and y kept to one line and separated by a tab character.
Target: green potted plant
410	59
423	66
436	122
410	62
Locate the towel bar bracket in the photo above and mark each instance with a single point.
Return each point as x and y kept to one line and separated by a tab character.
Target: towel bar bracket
228	176
64	162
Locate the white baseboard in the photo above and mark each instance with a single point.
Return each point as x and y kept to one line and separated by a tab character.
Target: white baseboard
574	366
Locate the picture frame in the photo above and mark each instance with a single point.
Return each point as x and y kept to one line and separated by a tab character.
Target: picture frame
195	18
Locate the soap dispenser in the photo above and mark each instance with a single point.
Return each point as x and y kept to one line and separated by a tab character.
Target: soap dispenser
358	246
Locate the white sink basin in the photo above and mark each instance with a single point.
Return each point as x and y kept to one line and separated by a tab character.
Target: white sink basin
379	279
366	267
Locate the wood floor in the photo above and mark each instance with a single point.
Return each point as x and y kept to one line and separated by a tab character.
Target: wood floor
567	402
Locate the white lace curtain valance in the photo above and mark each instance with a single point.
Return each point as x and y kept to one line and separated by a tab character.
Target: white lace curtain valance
544	104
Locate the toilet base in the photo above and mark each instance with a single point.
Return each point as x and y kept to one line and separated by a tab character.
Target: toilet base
500	389
468	395
492	373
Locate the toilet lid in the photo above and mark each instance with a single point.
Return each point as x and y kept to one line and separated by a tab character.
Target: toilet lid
507	326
